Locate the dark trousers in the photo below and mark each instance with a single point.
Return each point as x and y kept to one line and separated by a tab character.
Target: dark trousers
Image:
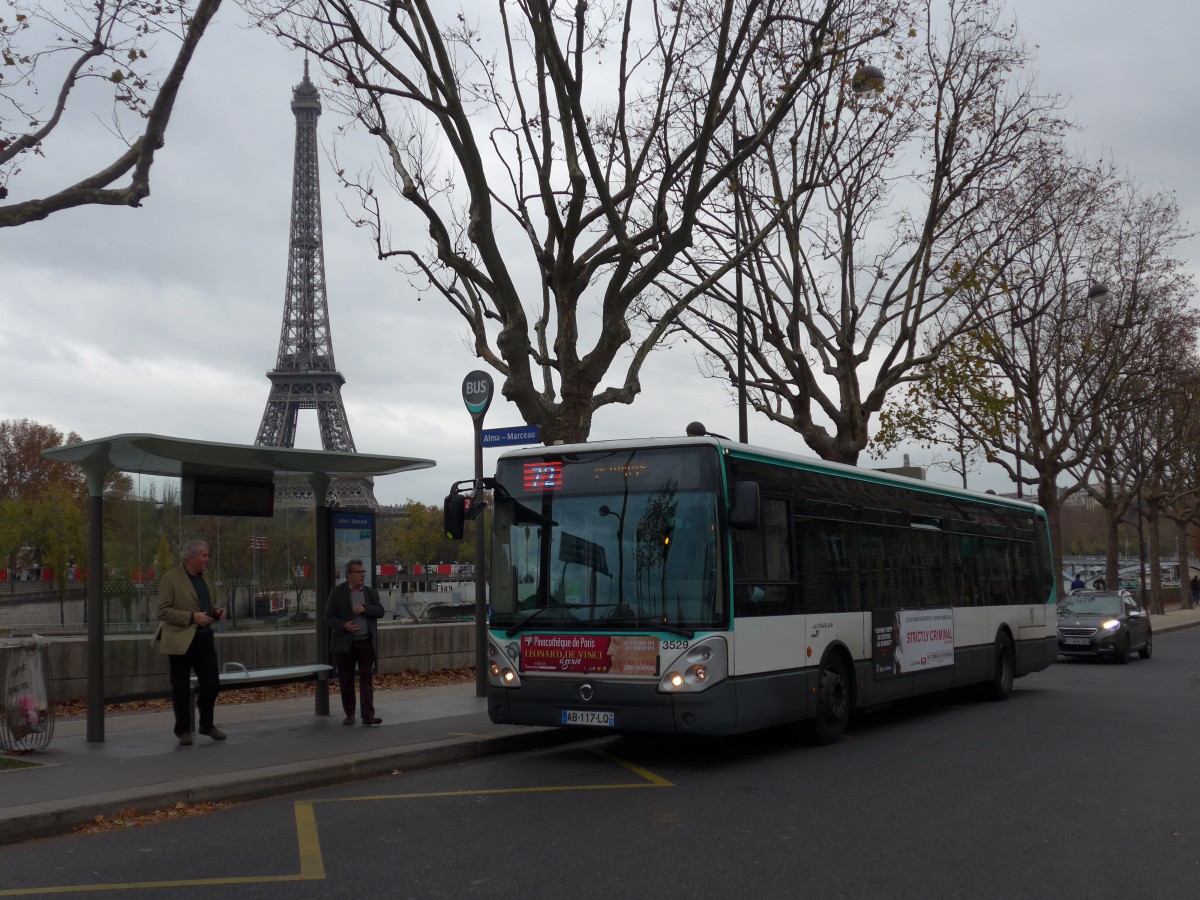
201	656
361	657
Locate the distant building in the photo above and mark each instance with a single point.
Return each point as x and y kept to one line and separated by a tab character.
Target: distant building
1081	500
907	470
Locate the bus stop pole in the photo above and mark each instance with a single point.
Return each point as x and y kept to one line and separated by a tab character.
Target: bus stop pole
95	622
480	573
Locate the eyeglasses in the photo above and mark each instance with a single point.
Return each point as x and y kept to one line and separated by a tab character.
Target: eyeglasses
356	571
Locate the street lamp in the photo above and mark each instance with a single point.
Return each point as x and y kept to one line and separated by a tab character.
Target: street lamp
739	144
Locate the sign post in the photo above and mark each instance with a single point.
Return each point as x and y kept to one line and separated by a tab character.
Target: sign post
477	395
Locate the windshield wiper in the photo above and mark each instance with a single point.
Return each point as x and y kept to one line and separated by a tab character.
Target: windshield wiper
675	629
635	622
520	626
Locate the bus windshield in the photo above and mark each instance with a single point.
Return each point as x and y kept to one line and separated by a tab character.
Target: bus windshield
607	540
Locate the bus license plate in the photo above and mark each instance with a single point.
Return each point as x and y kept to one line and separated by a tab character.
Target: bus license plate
589	717
1081	642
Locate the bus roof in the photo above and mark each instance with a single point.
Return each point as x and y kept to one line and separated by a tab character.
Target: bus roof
811	463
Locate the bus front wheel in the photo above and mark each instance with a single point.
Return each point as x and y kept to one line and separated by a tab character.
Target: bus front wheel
833	700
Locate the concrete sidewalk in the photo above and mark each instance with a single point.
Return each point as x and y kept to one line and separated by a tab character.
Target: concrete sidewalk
273	748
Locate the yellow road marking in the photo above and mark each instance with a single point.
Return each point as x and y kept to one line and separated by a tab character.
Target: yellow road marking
654	780
312	864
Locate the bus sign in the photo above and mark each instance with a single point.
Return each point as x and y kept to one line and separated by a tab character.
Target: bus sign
510	437
477	393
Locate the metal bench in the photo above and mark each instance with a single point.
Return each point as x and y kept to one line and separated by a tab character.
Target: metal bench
235	675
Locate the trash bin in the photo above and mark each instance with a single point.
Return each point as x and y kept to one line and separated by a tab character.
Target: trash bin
26	713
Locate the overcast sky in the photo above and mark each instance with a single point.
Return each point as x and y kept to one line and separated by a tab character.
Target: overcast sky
166	319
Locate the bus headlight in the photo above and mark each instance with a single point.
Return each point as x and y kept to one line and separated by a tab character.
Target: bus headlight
696	667
502	664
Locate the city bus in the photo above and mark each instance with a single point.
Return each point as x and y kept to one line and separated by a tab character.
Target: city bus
702	586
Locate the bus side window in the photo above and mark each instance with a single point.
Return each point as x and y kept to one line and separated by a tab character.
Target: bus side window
763	581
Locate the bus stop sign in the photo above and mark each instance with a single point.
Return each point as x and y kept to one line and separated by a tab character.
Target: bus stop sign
477	393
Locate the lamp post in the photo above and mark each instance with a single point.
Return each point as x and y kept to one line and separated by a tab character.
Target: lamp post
739	144
1097	292
865	80
1014	324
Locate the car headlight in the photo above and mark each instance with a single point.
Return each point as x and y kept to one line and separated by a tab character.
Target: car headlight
1111	625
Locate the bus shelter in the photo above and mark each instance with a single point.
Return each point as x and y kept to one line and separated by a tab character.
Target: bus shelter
151	454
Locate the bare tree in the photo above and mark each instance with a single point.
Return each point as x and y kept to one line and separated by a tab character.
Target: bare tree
1086	299
1184	473
1145	466
52	49
556	154
1170	437
868	258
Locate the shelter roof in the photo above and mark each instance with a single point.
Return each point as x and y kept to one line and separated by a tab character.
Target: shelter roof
153	454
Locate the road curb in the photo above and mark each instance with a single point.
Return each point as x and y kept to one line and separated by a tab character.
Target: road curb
35	820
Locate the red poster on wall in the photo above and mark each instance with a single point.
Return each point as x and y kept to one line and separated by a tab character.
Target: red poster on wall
590	654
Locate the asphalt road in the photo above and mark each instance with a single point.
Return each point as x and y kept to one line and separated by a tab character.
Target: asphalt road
1081	785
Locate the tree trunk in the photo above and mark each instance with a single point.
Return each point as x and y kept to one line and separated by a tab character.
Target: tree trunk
1048	499
1112	544
1153	559
1181	560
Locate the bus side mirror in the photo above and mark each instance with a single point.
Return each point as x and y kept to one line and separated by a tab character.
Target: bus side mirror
744	506
454	515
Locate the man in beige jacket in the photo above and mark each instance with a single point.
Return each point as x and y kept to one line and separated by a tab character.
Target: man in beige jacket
187	611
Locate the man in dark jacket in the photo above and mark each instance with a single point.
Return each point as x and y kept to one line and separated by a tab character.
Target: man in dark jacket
351	613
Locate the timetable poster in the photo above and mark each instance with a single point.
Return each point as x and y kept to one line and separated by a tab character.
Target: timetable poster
353	534
883	642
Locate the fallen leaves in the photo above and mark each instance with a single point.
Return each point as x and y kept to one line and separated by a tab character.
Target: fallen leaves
7	763
387	681
131	818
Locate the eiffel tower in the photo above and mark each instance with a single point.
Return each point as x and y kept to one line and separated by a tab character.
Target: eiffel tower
305	376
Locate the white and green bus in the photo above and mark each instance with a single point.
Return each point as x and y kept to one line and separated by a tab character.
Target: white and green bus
702	586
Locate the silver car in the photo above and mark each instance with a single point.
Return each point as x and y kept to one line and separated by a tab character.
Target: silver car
1103	623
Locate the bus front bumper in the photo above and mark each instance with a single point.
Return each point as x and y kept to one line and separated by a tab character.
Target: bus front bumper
633	707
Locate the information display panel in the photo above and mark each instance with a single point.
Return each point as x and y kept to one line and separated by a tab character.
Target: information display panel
353	535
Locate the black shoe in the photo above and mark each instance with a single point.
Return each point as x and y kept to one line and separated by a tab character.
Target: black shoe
349	720
186	739
372	721
215	733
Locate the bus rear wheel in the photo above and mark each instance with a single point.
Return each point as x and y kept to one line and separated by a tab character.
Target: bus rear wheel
1000	687
833	701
